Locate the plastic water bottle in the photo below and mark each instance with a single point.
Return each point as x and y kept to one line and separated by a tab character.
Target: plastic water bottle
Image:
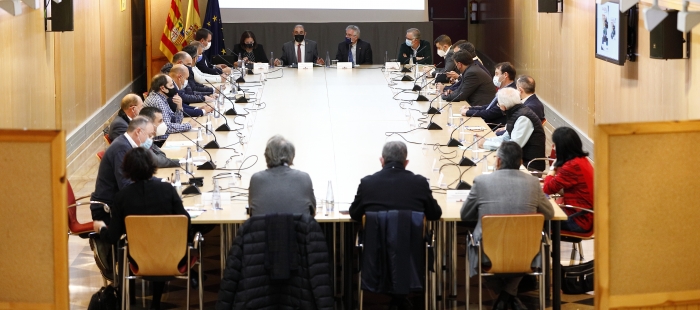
449	116
216	197
188	160
176	180
485	165
209	125
330	202
272	61
199	140
328	60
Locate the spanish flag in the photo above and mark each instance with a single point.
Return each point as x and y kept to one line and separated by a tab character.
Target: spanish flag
173	38
193	22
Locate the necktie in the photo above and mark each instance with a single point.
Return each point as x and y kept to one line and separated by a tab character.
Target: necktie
350	55
298	53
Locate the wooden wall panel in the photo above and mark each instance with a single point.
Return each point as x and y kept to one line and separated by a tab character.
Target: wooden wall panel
27	86
80	65
116	44
158	12
494	35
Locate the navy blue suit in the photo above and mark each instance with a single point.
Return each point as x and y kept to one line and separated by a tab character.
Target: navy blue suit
491	114
110	179
535	105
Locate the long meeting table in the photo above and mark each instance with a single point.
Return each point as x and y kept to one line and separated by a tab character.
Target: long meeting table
338	121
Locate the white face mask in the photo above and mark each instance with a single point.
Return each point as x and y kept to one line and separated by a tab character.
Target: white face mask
208	46
442	53
184	85
161	129
409	42
496	81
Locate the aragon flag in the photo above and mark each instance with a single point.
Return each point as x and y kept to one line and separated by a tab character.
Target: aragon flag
173	38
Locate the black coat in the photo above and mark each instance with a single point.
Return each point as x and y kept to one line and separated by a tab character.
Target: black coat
424	50
394	188
110	179
247	285
363	50
491	113
258	52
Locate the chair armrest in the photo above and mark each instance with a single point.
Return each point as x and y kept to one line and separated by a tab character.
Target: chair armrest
431	239
82	197
358	243
576	208
198	239
545	239
538	159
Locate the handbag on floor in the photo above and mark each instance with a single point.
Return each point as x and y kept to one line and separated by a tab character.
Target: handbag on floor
577	279
105	299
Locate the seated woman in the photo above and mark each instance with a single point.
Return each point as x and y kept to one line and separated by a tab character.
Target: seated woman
573	173
249	49
146	196
280	189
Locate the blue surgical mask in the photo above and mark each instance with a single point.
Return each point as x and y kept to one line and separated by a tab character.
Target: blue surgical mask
199	58
147	144
409	42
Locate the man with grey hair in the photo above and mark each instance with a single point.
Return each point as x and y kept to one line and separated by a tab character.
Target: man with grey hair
110	180
522	127
522	195
394	187
299	50
279	188
415	48
353	49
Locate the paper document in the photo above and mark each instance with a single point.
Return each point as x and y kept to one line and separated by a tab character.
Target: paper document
457	195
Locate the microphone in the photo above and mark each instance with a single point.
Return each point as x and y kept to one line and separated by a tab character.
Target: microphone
223	127
465	185
212	144
419	88
466	161
433	126
433	110
407	78
232	110
453	142
209	165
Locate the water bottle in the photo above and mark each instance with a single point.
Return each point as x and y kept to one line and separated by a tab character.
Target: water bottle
216	197
449	116
328	60
209	125
386	57
410	63
199	140
240	62
272	61
485	165
188	159
475	148
330	202
176	180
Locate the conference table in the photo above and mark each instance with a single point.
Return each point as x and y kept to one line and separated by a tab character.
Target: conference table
338	121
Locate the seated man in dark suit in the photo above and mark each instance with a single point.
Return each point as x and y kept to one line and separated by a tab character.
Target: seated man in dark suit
521	194
180	74
492	113
415	48
109	179
299	50
526	86
279	188
443	43
395	188
130	107
156	116
476	86
353	49
203	36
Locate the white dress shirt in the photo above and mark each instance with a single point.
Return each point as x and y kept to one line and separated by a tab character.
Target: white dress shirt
131	141
202	78
303	51
353	48
522	130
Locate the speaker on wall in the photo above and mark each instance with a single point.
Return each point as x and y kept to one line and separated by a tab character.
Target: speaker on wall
666	41
549	6
61	16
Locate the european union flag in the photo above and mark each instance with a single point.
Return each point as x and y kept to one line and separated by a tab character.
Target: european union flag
212	21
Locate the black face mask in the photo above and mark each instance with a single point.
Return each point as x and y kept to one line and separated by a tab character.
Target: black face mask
299	37
171	92
249	45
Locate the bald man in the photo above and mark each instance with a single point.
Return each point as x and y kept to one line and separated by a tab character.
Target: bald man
130	107
180	75
299	50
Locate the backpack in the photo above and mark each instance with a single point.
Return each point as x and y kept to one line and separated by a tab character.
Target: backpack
105	299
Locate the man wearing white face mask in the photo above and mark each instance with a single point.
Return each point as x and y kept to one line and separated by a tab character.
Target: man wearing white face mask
130	107
203	36
109	179
156	116
443	43
492	114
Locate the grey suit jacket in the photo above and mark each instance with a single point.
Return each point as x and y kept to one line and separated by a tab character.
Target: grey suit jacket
505	191
289	54
476	87
449	64
117	127
281	190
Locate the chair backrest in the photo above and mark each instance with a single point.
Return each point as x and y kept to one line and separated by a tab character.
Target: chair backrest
74	226
100	154
157	243
511	241
71	195
106	137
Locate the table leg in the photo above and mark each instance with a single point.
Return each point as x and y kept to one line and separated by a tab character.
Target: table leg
453	258
556	261
222	248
